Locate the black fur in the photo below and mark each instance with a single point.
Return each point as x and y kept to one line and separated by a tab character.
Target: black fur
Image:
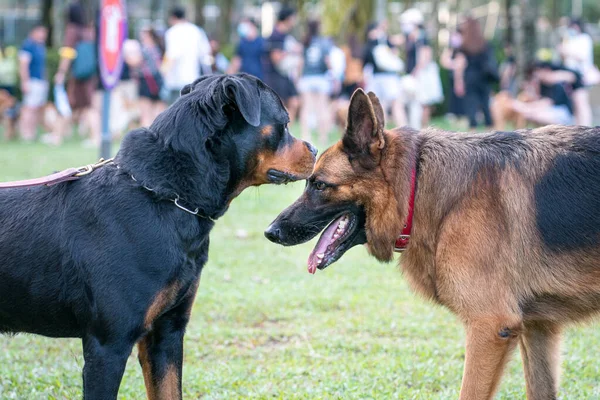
572	180
87	258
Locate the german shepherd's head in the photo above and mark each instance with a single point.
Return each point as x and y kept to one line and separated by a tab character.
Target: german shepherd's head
358	190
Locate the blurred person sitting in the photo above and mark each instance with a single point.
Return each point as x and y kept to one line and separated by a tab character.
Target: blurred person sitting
422	84
281	60
550	87
475	70
501	106
9	71
78	69
249	51
381	68
34	86
219	64
315	85
187	54
577	52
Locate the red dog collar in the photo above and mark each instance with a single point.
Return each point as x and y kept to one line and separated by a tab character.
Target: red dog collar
403	239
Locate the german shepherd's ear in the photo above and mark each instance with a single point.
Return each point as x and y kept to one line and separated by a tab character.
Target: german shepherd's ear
245	95
364	132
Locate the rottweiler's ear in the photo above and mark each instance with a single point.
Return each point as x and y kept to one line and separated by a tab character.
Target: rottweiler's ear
364	132
245	93
187	88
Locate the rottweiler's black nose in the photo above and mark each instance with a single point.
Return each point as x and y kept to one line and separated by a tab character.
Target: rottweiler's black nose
273	233
311	148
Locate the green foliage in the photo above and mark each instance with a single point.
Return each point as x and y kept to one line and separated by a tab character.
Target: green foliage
262	327
52	60
343	18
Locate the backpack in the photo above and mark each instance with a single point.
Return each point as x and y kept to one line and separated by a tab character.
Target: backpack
84	65
315	55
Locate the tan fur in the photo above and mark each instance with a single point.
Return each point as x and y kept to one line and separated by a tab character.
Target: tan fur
162	301
266	130
295	159
165	388
475	247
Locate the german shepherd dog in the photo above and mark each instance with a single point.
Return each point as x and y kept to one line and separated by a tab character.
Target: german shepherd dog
506	230
114	258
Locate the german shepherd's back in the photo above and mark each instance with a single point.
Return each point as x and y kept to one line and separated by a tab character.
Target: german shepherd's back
525	204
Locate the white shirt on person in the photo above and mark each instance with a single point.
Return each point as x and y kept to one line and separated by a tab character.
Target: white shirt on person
187	49
579	52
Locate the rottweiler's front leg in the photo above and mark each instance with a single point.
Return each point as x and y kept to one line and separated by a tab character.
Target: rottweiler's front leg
161	353
104	366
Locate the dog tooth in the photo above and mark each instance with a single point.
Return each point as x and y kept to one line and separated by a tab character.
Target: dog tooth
336	235
320	256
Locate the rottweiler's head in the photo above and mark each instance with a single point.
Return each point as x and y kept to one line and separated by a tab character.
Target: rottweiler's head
252	131
224	134
352	193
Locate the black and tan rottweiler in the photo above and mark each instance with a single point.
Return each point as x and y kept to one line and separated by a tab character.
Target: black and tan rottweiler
505	230
114	258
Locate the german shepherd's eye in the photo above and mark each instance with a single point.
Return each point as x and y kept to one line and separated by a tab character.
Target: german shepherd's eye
319	185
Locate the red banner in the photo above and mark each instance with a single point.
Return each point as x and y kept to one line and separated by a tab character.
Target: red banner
113	31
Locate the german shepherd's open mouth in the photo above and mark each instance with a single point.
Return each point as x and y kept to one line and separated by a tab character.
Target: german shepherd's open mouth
339	236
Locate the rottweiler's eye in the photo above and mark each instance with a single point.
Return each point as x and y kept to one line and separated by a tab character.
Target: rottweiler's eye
320	185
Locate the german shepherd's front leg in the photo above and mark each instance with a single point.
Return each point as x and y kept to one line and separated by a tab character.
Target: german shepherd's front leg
540	350
490	340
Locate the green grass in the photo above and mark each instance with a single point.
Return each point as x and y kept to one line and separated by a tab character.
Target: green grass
262	327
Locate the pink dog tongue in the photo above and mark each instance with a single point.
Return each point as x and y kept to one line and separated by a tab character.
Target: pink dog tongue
324	241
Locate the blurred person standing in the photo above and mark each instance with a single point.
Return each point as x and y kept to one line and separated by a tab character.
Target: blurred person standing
34	86
577	52
145	65
9	72
475	70
456	107
187	54
78	69
315	84
382	66
280	62
420	66
249	51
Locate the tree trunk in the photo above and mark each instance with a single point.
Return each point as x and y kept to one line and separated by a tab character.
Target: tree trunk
527	39
226	20
509	33
47	20
155	10
199	12
435	25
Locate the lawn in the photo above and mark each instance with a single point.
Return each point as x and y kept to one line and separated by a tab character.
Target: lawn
262	327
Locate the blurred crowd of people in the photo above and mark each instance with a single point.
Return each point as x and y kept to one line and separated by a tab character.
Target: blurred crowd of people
315	76
555	89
